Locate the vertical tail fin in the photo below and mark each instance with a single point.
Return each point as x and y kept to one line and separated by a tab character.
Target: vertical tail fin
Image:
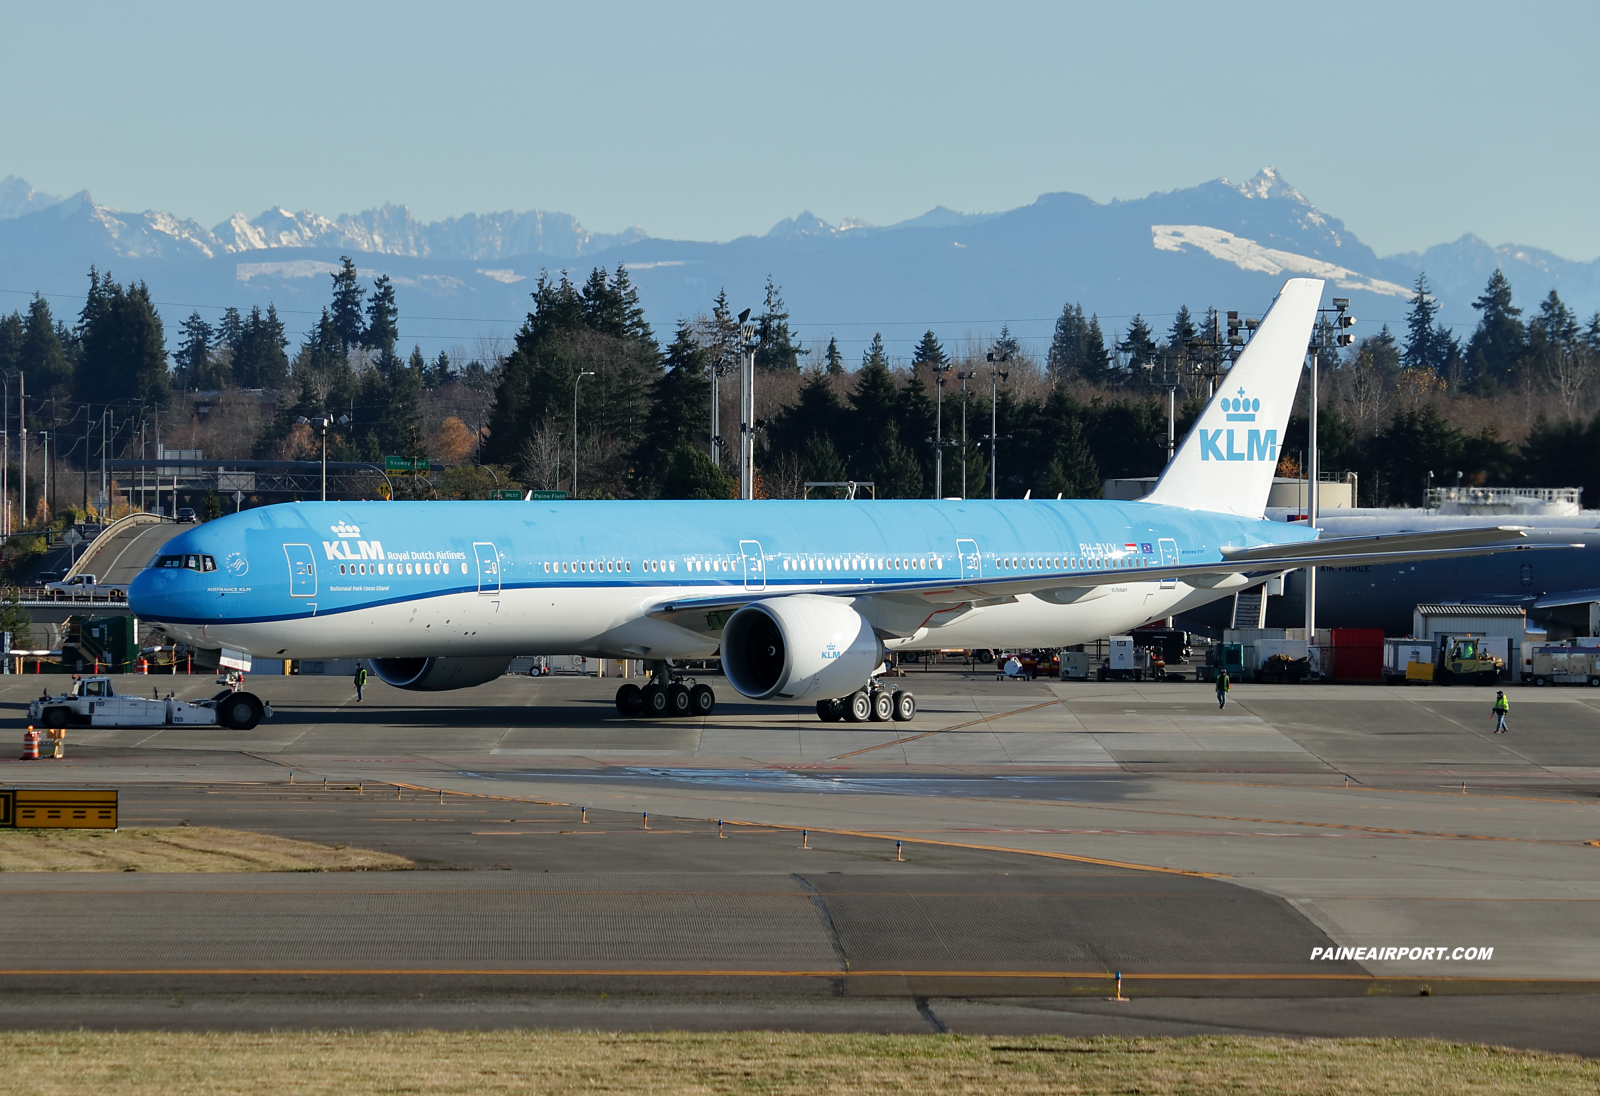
1227	461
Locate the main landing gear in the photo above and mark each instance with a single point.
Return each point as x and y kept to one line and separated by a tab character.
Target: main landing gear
874	704
668	694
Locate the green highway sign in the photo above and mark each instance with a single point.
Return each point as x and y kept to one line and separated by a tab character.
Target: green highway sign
405	464
507	494
546	496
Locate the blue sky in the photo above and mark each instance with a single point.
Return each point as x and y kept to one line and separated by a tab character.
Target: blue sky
1414	123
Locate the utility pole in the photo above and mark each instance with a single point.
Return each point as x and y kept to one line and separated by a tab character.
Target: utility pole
22	442
747	406
996	375
938	428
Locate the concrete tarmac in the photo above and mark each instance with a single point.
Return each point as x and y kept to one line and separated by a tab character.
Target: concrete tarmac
1445	837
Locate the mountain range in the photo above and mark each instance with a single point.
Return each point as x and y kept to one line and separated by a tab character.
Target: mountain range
1220	243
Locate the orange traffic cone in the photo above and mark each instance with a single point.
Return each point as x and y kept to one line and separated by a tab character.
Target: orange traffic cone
30	745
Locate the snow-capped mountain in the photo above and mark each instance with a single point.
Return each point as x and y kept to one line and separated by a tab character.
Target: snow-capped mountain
1223	244
388	230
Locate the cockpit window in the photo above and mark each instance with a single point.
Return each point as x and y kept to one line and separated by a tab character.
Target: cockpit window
190	562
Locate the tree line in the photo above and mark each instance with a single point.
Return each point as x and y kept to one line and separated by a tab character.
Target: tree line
587	379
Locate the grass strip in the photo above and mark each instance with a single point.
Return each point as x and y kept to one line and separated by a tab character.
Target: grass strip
666	1063
181	849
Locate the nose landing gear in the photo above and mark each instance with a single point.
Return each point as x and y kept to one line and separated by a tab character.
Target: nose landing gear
668	694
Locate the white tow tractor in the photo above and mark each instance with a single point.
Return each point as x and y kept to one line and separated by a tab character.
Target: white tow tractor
95	702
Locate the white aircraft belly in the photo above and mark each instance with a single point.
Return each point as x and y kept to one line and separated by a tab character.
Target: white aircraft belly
1033	622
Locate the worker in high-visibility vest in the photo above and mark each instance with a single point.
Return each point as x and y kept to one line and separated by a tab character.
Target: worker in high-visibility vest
361	680
1502	706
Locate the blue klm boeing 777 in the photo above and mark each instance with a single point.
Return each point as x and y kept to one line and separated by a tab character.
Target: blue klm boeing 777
799	599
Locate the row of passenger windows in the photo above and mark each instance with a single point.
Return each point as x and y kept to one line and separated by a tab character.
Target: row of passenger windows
841	563
189	562
1072	563
398	568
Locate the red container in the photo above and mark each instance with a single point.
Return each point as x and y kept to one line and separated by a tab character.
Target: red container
1357	654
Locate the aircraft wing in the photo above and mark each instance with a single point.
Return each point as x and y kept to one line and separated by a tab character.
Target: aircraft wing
707	613
1566	597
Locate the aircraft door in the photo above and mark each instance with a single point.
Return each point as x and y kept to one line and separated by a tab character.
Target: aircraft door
1169	558
971	561
488	568
302	570
755	568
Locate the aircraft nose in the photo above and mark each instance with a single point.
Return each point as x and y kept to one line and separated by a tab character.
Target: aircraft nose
158	594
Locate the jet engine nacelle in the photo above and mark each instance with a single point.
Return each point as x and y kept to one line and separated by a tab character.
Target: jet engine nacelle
795	647
432	675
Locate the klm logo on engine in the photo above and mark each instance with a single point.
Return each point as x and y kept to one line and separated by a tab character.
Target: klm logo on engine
363	549
1223	444
831	651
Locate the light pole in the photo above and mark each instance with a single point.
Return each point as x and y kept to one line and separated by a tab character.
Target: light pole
575	381
747	406
938	428
1342	322
964	377
996	375
321	422
44	479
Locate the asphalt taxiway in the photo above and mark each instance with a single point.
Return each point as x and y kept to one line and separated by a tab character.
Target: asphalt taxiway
1051	834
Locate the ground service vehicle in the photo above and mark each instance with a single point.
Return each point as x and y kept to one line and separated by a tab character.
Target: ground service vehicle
96	702
1462	663
1566	666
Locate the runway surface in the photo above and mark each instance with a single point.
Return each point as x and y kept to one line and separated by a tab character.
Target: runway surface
1052	835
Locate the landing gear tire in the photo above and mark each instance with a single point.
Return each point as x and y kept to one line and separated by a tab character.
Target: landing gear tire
677	700
240	712
830	711
655	701
857	707
905	707
702	701
630	699
882	705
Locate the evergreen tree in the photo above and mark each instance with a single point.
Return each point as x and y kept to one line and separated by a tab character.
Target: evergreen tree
418	364
383	319
41	357
678	416
928	351
347	305
816	414
1139	345
821	462
1498	341
258	359
914	416
1182	333
124	348
874	355
1385	350
1006	347
775	347
1554	326
1066	345
1420	350
834	359
441	372
194	356
11	337
689	474
1094	359
230	329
